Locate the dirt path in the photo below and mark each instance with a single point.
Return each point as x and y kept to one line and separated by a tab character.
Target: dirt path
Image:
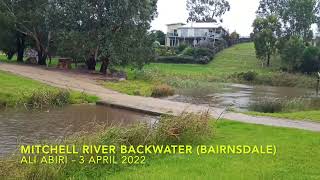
85	83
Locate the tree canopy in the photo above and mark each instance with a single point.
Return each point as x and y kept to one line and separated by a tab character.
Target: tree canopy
207	10
114	31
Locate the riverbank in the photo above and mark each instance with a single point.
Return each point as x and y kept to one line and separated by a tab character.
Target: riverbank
237	64
18	91
289	162
87	84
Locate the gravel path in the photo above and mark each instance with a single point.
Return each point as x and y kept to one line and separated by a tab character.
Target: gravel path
87	83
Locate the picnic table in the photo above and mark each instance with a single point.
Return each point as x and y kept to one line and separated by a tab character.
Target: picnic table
64	63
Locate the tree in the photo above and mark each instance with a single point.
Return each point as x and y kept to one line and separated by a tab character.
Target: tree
292	53
311	60
31	18
295	16
115	31
11	40
159	36
265	37
234	35
207	10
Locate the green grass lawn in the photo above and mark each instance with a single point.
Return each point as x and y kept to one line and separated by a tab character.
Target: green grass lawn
14	88
132	87
234	59
297	157
302	115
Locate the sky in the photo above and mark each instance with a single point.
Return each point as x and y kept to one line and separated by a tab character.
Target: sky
239	18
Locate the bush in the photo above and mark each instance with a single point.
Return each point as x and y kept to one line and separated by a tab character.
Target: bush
182	47
165	51
177	59
203	52
247	76
311	61
44	97
162	91
190	56
189	51
186	128
267	105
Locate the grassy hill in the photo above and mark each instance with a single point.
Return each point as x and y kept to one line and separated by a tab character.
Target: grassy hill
228	66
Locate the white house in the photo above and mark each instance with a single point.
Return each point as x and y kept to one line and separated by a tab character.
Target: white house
193	33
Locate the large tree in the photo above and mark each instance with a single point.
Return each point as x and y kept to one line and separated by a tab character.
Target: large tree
296	16
33	19
207	10
12	41
266	31
114	31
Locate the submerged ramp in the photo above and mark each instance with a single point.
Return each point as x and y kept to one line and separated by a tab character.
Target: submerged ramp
86	83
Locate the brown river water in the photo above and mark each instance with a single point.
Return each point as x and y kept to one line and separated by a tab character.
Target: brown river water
28	127
238	96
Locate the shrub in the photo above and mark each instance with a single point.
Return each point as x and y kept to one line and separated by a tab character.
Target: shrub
311	61
162	91
202	52
165	51
177	59
44	97
267	105
189	51
182	47
247	76
186	128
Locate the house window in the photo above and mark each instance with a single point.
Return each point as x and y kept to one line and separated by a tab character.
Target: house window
175	32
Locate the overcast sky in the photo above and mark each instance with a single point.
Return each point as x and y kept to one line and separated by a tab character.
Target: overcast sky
239	18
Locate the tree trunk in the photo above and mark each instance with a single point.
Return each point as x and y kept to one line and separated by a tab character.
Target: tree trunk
104	66
91	63
268	60
42	57
20	47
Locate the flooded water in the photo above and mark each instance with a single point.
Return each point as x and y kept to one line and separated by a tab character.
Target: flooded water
238	96
25	127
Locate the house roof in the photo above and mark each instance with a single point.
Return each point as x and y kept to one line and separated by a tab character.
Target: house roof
201	25
176	24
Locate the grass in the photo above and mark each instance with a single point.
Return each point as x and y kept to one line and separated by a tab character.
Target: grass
240	58
15	88
297	157
131	87
302	115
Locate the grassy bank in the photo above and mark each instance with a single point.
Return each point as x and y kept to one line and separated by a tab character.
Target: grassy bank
231	65
297	158
301	115
16	90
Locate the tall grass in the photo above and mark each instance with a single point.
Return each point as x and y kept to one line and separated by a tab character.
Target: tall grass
184	129
45	97
274	105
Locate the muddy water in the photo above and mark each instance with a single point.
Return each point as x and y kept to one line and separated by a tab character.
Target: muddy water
238	96
25	127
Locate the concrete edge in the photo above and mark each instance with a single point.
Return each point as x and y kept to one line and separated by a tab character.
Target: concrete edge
134	109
